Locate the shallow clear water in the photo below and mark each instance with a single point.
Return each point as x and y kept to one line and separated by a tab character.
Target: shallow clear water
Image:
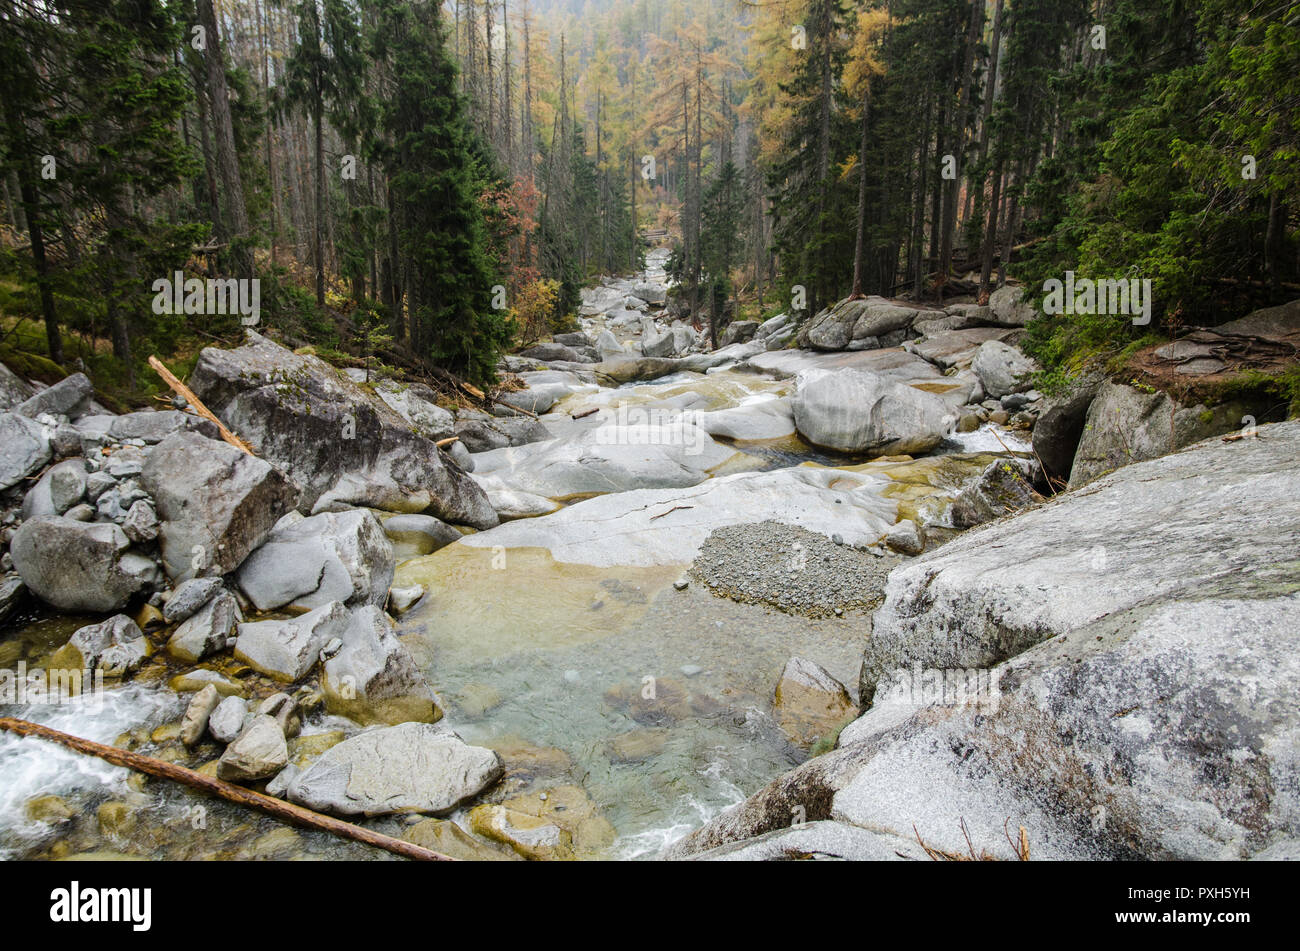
569	650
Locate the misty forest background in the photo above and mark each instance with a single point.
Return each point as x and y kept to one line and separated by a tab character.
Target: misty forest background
382	165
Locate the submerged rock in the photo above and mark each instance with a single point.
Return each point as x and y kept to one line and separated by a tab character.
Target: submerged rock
810	704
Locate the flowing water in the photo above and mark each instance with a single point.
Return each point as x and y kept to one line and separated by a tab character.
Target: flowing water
655	701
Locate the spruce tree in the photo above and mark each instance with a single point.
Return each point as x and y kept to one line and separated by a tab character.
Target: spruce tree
439	220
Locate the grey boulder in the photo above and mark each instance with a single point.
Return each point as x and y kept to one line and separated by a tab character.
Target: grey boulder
343	556
206	631
860	411
70	397
413	767
373	678
1002	369
287	650
80	566
24	448
217	503
340	443
259	752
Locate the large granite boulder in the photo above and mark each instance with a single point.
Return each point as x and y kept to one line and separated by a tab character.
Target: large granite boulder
417	404
859	411
340	443
1002	369
306	563
414	767
13	389
1110	672
1007	307
217	503
1126	425
661	452
1147	534
80	566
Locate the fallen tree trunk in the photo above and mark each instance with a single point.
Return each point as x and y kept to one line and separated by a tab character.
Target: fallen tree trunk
227	791
197	405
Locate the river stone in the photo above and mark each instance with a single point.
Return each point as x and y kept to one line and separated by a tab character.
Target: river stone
739	331
61	487
373	678
401	600
116	646
206	631
283	709
12	594
660	527
447	838
141	522
198	679
511	504
414	767
859	411
1002	369
1125	425
1004	488
217	503
155	426
227	721
760	419
80	566
342	556
340	443
651	293
419	534
287	650
70	397
188	597
1007	307
24	448
480	432
809	703
554	351
197	713
1147	534
259	752
531	836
